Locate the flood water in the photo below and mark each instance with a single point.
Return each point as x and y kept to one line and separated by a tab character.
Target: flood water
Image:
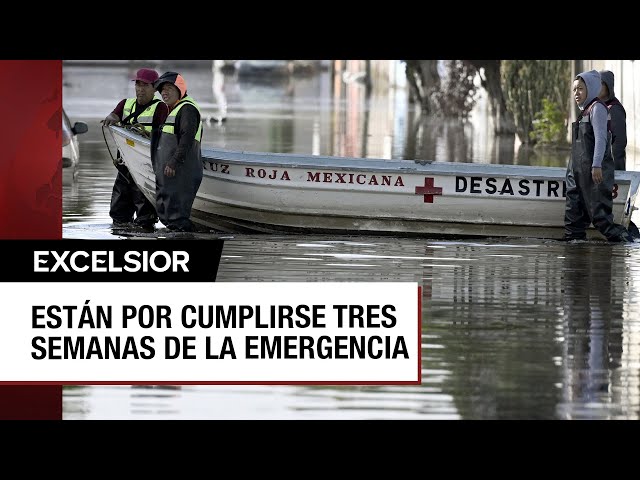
512	328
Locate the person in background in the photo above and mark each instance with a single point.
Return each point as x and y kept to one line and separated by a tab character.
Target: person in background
150	113
590	172
176	154
618	116
618	127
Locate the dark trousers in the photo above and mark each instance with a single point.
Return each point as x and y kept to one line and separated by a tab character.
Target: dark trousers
127	200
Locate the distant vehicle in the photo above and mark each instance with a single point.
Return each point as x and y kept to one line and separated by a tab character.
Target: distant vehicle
70	146
264	68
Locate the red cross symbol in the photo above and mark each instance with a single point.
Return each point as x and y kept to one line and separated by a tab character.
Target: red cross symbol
428	190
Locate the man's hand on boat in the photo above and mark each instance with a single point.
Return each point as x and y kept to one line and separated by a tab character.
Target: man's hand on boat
596	174
110	119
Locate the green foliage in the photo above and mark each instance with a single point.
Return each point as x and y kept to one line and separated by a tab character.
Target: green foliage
549	124
526	83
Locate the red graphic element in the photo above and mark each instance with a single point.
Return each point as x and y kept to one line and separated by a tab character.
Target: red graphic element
31	161
31	192
428	190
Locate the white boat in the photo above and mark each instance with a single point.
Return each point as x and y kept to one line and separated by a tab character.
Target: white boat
272	192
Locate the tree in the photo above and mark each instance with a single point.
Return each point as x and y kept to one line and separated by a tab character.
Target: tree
489	71
451	91
550	126
456	96
526	83
424	80
516	90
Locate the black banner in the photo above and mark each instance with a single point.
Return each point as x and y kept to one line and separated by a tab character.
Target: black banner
74	260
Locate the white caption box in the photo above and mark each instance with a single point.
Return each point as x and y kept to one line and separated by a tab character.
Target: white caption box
197	332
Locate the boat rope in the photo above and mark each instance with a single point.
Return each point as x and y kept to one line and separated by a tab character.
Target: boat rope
115	162
136	128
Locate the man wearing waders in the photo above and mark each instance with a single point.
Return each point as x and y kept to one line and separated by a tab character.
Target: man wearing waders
590	172
618	127
176	154
149	113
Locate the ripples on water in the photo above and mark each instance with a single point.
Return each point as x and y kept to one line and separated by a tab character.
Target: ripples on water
512	328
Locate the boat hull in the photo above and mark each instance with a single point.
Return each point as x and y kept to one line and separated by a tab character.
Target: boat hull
266	192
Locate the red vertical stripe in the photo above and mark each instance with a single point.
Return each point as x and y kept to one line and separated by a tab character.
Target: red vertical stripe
30	191
419	334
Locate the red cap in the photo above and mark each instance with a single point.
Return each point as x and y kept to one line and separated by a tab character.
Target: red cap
146	75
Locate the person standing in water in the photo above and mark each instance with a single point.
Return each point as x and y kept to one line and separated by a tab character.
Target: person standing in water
176	154
149	113
590	172
618	127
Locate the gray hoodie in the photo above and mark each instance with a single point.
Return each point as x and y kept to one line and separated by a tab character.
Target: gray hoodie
618	122
599	115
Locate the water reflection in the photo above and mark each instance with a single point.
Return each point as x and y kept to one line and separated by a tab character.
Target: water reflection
541	157
317	113
512	328
594	383
493	306
431	138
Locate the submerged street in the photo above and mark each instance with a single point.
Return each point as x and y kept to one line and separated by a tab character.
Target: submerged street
512	328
